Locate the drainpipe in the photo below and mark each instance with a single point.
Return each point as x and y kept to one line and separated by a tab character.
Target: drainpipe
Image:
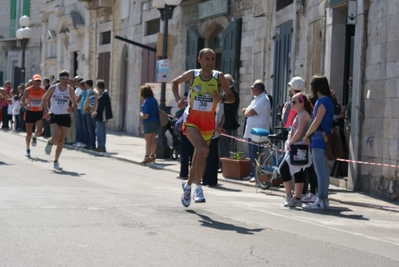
357	93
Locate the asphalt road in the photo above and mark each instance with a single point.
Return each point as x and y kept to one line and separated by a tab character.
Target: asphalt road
105	212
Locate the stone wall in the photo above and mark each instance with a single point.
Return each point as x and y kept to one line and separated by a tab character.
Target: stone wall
380	124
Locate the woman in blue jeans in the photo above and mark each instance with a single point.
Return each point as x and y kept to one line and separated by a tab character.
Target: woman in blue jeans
322	120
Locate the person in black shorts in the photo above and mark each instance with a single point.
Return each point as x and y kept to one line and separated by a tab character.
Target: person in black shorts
32	101
58	113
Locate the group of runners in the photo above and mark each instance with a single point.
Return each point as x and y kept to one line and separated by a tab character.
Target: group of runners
55	104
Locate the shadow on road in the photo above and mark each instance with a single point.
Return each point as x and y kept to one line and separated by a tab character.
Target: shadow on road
338	212
208	222
39	159
75	174
221	188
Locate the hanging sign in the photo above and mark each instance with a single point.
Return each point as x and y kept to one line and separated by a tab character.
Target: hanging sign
352	13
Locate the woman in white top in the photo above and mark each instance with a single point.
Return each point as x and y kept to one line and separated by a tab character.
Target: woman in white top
59	96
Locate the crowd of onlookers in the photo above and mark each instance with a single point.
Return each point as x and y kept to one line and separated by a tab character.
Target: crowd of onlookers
88	121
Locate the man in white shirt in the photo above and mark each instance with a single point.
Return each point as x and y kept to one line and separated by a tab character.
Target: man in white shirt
258	116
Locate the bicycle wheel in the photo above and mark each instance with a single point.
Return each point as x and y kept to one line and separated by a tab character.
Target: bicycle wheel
264	169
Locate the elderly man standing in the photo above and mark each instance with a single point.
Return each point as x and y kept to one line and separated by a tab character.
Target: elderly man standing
258	116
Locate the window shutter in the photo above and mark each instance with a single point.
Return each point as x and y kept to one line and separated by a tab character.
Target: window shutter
13	18
26	8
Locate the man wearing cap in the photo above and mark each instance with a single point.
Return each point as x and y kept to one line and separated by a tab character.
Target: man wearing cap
295	86
258	116
34	111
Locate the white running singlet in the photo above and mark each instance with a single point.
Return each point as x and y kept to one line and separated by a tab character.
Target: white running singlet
59	101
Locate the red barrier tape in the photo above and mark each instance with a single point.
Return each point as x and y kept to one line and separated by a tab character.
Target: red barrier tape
339	159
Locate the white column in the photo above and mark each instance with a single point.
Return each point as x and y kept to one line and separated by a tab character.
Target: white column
358	73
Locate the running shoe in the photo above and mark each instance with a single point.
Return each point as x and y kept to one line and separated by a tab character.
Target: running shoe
186	197
297	203
27	153
198	195
48	147
57	166
309	198
318	204
34	142
288	202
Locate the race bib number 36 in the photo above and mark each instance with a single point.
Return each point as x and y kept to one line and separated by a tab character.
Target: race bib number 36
203	103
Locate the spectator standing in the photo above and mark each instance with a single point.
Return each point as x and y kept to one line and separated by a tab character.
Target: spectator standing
70	137
210	176
322	120
258	116
89	106
78	114
4	106
230	120
150	119
301	105
186	148
21	89
102	114
84	134
46	125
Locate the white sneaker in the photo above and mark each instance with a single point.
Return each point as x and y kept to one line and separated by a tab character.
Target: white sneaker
198	195
186	197
318	204
288	201
48	147
34	141
247	178
57	166
309	198
253	180
297	202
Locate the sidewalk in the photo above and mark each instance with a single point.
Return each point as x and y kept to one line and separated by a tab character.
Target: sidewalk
131	149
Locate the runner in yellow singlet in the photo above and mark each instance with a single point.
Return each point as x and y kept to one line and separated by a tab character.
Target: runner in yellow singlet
199	125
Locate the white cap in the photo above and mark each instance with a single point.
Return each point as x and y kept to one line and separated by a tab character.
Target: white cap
297	83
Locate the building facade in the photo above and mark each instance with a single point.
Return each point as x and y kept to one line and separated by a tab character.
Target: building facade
253	39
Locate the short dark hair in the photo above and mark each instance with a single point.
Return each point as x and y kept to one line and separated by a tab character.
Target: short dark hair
63	73
146	91
101	84
204	50
89	82
47	80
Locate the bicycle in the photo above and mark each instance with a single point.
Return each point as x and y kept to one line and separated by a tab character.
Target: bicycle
269	159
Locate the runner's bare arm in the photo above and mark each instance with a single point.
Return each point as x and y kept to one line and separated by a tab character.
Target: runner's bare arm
23	98
229	95
185	77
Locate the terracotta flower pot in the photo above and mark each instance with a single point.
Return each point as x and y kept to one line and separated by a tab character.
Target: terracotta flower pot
233	168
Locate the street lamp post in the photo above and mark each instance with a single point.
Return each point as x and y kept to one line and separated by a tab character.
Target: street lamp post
166	8
23	34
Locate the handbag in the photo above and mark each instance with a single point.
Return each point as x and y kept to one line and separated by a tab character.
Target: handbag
333	144
299	154
163	118
178	125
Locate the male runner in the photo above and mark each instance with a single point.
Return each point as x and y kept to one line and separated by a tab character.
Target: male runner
59	96
34	111
199	125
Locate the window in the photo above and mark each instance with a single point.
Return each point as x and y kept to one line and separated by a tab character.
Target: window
283	3
18	8
152	26
105	38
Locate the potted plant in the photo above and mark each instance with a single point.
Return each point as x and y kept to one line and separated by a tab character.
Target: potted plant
236	166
